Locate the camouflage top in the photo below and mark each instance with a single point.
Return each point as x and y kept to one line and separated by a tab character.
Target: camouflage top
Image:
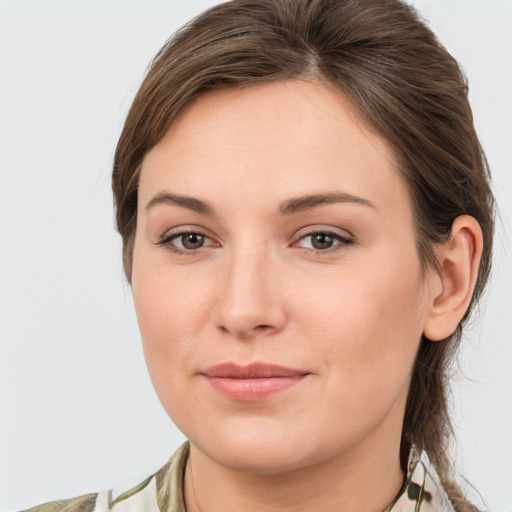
163	492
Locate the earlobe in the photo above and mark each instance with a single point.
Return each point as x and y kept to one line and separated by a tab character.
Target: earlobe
459	261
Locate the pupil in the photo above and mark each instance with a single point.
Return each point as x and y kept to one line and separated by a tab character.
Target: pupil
192	241
322	241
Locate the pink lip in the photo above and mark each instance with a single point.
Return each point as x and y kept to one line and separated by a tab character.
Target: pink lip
253	382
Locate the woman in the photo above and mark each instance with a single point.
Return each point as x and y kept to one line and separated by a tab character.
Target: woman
307	223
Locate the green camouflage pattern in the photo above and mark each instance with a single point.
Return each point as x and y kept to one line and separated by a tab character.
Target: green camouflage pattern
163	492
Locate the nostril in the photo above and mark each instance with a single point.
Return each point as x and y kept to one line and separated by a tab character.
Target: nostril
245	334
262	327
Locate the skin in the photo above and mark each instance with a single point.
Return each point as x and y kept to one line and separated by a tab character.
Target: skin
351	315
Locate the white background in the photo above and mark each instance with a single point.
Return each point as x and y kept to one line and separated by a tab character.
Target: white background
77	410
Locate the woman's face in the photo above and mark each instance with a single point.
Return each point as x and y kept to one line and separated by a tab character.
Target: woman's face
273	229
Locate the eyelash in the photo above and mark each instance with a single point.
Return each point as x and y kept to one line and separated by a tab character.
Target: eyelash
166	242
342	240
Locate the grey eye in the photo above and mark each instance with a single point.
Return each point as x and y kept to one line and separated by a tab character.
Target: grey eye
323	241
192	240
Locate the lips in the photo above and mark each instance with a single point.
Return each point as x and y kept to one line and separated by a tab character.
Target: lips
251	383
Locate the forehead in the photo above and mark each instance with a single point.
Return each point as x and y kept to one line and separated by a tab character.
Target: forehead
270	139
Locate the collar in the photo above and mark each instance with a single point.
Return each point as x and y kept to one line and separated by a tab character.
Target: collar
422	490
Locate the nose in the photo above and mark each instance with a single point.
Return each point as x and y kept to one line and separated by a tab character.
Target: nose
250	301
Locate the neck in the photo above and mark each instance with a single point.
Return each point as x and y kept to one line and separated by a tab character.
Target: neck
358	480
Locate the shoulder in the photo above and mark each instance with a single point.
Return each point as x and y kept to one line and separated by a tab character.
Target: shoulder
82	503
160	491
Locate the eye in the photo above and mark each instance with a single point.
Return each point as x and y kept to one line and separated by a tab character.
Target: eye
190	241
323	241
186	242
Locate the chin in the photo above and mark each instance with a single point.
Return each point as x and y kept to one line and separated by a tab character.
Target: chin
264	447
257	458
258	449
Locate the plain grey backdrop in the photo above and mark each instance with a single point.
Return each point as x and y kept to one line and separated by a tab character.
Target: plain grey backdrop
77	410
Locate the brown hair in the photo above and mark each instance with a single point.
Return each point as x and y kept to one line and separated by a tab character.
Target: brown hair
404	84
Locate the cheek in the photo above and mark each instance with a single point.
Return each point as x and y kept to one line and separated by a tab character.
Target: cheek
168	303
367	324
171	311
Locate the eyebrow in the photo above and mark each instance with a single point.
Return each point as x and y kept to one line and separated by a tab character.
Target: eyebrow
191	203
307	202
288	207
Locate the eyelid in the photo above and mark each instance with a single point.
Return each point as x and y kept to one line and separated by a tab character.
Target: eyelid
344	238
165	240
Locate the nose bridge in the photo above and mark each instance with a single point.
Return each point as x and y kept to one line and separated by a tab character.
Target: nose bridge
249	301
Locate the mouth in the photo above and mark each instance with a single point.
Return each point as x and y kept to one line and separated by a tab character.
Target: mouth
252	383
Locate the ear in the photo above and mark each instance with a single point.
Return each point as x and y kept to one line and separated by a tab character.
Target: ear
453	284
